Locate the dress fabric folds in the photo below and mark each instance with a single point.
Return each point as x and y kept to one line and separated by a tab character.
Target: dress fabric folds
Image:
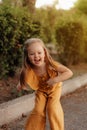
47	101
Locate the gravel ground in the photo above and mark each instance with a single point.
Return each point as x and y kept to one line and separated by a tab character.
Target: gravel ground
75	109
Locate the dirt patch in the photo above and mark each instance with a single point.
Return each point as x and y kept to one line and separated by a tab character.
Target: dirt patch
8	89
79	69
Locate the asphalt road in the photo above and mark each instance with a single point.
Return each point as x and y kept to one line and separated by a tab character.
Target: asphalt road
75	112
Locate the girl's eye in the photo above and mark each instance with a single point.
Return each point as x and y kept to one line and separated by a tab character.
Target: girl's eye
31	54
39	52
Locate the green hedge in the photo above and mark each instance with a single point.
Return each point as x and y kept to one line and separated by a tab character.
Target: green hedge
70	40
16	26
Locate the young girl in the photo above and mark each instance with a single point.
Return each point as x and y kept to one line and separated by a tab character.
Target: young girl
41	73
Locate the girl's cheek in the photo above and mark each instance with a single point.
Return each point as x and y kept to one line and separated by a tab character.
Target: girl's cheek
30	57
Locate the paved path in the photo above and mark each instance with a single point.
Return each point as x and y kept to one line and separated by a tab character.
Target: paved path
75	109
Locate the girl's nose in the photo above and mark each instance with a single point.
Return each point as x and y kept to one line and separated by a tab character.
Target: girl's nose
36	54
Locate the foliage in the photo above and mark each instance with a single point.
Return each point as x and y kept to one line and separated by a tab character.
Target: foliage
30	4
70	37
47	18
81	5
15	27
84	52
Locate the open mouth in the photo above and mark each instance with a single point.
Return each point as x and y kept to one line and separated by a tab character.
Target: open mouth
37	61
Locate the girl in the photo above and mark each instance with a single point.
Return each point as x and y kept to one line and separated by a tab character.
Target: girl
41	73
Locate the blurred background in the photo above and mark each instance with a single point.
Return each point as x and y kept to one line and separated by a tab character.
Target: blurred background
61	24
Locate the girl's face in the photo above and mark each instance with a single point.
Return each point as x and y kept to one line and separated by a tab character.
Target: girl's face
36	54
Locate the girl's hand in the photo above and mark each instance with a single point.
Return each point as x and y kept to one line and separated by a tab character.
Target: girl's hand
26	88
51	82
64	74
19	87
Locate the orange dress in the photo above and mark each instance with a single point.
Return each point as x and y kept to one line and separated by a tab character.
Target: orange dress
47	101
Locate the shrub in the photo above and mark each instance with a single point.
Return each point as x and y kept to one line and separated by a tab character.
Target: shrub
16	26
69	36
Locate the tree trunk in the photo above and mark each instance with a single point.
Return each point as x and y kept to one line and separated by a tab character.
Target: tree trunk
30	4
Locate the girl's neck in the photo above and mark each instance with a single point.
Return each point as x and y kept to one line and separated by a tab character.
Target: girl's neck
40	67
39	70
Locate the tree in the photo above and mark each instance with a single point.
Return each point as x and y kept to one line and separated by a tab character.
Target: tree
70	39
30	4
82	6
12	2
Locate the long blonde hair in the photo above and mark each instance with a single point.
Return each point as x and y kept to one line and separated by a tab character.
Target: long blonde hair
27	64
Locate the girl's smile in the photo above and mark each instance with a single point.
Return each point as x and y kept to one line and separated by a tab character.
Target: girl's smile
37	61
36	54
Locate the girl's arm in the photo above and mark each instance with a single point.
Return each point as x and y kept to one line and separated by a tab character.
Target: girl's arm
64	74
19	87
